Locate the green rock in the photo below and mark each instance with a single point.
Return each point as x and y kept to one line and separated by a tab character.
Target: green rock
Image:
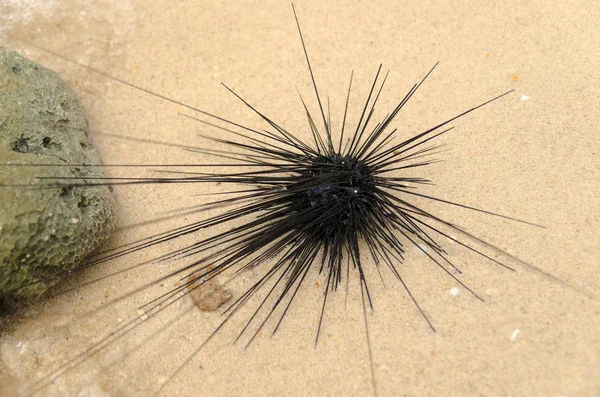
44	231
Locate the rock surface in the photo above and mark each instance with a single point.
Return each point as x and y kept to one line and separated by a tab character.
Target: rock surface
44	231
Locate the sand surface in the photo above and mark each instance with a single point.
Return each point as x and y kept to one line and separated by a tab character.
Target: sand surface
534	155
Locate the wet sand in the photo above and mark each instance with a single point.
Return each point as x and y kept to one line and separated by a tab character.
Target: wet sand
533	155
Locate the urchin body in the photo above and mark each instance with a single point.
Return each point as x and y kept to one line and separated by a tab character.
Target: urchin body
337	190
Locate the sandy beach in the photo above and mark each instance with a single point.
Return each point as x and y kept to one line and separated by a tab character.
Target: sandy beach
533	155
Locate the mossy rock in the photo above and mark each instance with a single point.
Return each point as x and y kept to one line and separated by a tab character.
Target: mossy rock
44	230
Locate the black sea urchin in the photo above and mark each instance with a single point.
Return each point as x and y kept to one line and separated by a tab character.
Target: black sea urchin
325	204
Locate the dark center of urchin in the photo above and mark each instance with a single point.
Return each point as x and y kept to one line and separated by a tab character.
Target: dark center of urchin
333	195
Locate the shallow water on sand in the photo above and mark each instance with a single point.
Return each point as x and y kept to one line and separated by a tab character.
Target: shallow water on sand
512	158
